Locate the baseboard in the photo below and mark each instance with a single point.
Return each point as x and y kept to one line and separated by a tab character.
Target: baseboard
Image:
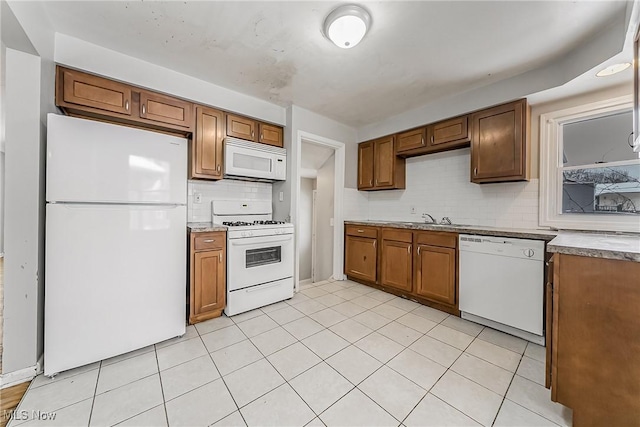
18	377
305	282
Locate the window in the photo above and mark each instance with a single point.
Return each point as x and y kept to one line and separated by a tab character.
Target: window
589	173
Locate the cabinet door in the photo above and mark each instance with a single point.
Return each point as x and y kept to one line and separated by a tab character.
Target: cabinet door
410	140
361	258
385	162
498	143
436	273
365	165
209	286
241	127
95	92
270	134
549	323
165	109
451	131
207	149
396	270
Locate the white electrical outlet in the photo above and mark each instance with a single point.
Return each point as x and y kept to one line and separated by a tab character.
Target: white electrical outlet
197	198
413	210
281	196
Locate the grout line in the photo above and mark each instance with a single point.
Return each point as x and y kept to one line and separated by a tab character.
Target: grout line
164	401
95	390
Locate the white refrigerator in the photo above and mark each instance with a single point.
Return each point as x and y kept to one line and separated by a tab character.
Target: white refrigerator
115	252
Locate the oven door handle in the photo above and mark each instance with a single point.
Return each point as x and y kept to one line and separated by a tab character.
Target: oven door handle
241	242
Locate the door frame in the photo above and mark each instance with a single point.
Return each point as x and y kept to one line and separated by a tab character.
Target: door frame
314	220
338	191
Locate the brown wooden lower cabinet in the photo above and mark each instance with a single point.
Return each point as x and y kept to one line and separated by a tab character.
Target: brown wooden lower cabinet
396	260
207	275
594	359
419	265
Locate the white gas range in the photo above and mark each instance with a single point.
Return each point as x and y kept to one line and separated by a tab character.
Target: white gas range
259	254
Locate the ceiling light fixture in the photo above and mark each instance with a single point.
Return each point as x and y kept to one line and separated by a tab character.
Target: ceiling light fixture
346	25
613	69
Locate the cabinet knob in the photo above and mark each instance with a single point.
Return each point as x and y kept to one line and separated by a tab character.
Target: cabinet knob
144	109
220	257
418	250
360	231
475	171
370	182
126	105
409	249
252	134
261	136
422	140
218	168
209	240
374	243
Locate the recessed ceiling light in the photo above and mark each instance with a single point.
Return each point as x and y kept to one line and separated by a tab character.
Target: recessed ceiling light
613	69
346	25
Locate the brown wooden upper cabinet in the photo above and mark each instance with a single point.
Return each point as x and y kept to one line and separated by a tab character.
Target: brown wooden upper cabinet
450	134
396	261
270	134
412	140
378	166
87	95
241	127
435	267
165	109
82	90
206	155
252	130
499	143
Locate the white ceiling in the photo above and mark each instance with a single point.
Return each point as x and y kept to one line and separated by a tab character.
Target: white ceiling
416	52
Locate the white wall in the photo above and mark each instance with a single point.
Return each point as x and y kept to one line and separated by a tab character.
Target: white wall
324	215
226	189
80	54
23	216
305	227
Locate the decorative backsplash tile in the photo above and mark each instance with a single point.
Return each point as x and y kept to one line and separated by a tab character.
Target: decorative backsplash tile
225	189
439	184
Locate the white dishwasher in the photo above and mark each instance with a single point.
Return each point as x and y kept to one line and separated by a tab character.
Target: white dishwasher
501	283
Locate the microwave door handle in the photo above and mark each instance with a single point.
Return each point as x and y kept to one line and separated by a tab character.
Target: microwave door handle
242	243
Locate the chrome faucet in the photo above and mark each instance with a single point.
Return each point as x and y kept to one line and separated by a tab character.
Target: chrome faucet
445	220
433	220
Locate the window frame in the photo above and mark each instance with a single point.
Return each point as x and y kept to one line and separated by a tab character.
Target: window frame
551	166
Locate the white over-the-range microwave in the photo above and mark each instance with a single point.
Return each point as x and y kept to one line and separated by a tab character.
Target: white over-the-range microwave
246	160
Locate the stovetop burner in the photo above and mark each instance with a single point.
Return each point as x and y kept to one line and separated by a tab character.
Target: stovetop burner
268	222
236	223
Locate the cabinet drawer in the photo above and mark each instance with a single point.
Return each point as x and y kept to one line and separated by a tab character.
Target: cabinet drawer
397	235
370	232
204	241
445	240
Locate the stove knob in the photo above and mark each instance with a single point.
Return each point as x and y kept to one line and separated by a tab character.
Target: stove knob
243	234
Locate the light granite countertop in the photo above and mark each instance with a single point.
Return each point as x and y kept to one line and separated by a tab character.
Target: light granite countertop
624	247
522	233
203	227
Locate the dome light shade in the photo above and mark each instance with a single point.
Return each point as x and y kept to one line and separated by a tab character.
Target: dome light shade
613	69
347	25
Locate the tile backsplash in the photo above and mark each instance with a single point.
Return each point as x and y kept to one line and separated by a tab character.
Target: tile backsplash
439	184
225	189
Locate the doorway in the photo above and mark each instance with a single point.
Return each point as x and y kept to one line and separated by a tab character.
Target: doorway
316	213
322	161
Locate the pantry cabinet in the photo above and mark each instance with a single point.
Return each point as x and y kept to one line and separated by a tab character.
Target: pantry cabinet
378	166
206	151
85	95
500	143
594	339
207	275
361	253
396	260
